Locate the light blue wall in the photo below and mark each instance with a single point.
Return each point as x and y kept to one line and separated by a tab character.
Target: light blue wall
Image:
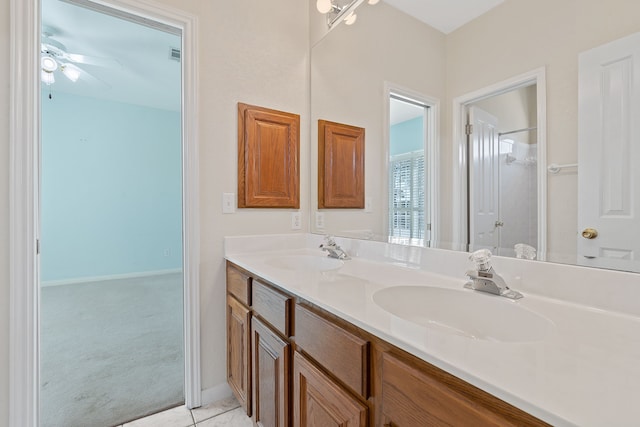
407	136
111	188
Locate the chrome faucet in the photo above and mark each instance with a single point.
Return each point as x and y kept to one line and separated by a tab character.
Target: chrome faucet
333	249
485	279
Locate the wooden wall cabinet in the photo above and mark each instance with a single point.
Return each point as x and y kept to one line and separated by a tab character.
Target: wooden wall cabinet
268	158
340	166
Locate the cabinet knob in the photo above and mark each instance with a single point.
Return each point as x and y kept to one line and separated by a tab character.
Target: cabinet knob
589	233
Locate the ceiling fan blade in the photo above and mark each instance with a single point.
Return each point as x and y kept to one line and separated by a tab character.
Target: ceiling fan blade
75	73
92	60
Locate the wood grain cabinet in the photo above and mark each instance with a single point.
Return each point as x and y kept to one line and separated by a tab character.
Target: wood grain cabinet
271	376
318	401
268	158
420	395
340	166
304	367
238	351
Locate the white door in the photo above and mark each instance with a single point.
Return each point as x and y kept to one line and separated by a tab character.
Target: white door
609	155
483	181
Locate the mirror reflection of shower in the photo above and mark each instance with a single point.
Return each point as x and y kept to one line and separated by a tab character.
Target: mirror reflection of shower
503	173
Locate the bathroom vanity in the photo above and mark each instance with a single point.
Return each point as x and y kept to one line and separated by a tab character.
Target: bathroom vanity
388	339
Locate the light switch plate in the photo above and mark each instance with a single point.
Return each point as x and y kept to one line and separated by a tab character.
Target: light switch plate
228	203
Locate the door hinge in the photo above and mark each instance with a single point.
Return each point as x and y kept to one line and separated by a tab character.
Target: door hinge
37	246
468	129
428	227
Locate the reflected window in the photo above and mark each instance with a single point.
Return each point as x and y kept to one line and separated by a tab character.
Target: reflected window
408	222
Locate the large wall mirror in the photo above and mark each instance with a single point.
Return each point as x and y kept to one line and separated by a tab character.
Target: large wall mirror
552	91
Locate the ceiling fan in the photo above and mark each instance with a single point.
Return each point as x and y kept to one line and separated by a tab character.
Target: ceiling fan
54	56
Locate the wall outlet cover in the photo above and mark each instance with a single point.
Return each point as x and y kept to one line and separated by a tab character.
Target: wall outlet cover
319	219
296	221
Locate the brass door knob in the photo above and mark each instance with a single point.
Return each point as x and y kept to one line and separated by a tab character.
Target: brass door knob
589	233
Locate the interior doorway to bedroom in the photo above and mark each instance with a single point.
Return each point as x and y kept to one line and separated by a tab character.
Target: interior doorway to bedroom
111	248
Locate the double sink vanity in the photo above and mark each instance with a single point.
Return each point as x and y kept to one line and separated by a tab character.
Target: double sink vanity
391	337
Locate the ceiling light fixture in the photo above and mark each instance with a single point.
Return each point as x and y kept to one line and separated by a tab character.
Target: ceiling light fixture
48	64
47	77
70	71
338	10
351	18
324	6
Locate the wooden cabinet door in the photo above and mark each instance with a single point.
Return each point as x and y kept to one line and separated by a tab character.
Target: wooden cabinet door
271	370
238	345
319	402
413	396
268	158
340	166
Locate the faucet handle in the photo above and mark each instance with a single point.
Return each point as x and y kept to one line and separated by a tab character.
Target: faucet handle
481	258
329	240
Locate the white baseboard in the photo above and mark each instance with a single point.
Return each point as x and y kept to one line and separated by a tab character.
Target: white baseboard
109	277
216	393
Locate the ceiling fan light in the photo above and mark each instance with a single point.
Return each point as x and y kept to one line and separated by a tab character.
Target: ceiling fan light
324	6
48	64
351	18
71	72
47	77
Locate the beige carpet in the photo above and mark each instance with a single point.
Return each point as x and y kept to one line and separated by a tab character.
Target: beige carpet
111	351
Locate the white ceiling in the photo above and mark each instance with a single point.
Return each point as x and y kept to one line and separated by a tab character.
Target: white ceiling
444	15
137	68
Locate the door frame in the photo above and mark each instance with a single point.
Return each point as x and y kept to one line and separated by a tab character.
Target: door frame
460	165
431	151
24	161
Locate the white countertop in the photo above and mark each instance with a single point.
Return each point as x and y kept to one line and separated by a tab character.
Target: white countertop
585	371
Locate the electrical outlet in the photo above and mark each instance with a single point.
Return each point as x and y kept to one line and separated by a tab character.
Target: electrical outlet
228	203
319	219
296	221
166	252
368	204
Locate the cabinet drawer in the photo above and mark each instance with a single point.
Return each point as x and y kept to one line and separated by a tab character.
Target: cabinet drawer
414	396
239	284
272	306
343	354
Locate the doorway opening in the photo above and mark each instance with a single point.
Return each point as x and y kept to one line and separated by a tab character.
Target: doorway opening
412	170
25	92
500	169
111	219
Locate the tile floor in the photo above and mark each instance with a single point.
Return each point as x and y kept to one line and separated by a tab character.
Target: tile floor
227	413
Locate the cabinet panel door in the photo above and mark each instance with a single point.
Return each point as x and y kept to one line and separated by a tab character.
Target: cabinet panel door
268	158
340	166
271	369
320	402
238	344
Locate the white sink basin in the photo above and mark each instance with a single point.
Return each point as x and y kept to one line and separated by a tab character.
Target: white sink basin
463	312
310	263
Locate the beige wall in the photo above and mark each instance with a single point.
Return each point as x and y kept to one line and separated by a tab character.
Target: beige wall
522	35
349	68
252	51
